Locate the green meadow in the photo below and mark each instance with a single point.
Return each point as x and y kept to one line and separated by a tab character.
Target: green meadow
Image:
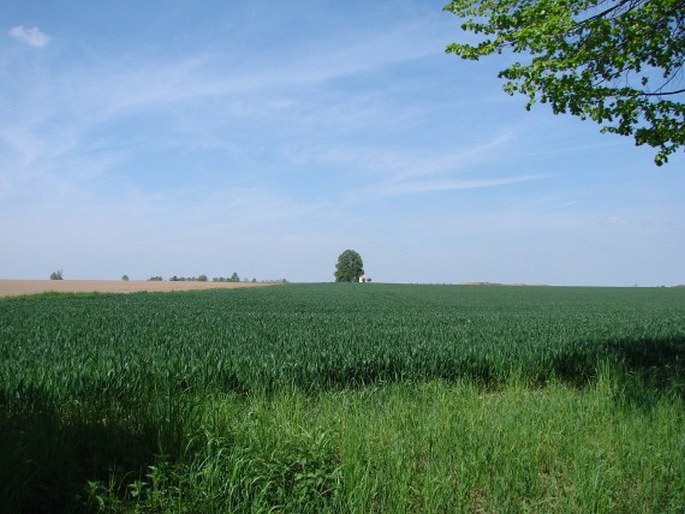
344	398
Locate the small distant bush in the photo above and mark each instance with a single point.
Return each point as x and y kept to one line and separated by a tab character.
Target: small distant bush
56	275
155	279
233	278
125	278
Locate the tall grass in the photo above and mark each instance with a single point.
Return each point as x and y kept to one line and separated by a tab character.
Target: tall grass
429	447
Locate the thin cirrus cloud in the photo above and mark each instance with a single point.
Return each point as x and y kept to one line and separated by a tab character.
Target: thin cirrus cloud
119	91
430	186
33	36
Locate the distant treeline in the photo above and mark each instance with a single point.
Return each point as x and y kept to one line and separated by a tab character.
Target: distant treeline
203	278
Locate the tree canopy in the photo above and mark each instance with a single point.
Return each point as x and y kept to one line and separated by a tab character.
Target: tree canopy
617	62
349	267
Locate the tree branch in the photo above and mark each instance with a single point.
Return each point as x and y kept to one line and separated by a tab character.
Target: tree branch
664	93
604	13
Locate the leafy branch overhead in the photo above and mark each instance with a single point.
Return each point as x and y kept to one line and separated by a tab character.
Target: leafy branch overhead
617	62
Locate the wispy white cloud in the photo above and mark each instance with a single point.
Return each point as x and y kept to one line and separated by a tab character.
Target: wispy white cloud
615	221
399	165
97	92
202	96
471	155
431	186
33	36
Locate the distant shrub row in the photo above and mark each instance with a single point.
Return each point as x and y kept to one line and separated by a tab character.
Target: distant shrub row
201	278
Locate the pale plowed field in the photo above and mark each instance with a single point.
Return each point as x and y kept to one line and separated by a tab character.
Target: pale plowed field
23	287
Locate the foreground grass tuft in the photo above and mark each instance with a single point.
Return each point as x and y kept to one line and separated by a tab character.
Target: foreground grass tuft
428	447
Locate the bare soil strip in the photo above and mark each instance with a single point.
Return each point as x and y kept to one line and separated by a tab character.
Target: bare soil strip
24	287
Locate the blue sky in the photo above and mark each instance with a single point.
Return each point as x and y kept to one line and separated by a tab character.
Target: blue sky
180	138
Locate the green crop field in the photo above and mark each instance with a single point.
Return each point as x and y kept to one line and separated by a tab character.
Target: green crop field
344	398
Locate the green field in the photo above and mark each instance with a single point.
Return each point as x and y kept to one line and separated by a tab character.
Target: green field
344	398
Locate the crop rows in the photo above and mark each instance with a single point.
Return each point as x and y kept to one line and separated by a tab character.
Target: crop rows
319	336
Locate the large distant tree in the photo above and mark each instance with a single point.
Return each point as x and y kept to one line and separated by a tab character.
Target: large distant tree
349	267
617	62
